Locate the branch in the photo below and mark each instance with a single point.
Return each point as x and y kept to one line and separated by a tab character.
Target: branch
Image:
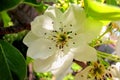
14	29
82	64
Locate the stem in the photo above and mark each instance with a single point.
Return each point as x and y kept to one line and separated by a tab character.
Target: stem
107	30
108	56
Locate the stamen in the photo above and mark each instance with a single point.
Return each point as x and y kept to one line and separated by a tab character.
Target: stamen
73	42
75	33
61	29
107	75
45	33
70	25
82	76
55	36
69	37
110	75
69	32
52	22
60	22
55	31
49	47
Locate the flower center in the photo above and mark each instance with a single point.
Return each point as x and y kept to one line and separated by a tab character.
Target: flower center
60	36
99	72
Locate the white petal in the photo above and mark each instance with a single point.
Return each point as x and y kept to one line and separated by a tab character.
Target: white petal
56	15
118	47
29	38
82	75
77	40
74	18
61	65
43	65
84	53
41	48
115	70
58	64
41	25
53	13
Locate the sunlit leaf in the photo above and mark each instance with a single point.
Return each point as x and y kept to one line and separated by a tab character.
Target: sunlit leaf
7	4
12	63
76	67
6	19
101	11
111	2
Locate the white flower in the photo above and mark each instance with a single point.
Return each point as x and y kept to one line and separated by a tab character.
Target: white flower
118	47
115	71
56	38
116	25
96	71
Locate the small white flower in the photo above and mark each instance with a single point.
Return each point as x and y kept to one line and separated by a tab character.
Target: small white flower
56	38
115	71
118	47
96	71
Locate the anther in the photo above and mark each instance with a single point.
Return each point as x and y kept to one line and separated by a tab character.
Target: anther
45	33
110	74
52	22
82	76
75	33
49	47
60	22
69	37
64	25
107	75
61	29
55	36
71	25
73	42
69	32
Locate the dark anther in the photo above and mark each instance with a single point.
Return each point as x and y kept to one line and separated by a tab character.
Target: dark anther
82	76
75	33
52	22
73	42
45	33
71	25
49	47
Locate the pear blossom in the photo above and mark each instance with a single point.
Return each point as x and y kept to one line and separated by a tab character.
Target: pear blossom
117	51
115	71
56	38
116	24
96	71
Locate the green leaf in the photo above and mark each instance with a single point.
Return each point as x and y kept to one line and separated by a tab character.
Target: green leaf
101	11
37	2
7	4
111	2
13	66
32	2
6	19
76	67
